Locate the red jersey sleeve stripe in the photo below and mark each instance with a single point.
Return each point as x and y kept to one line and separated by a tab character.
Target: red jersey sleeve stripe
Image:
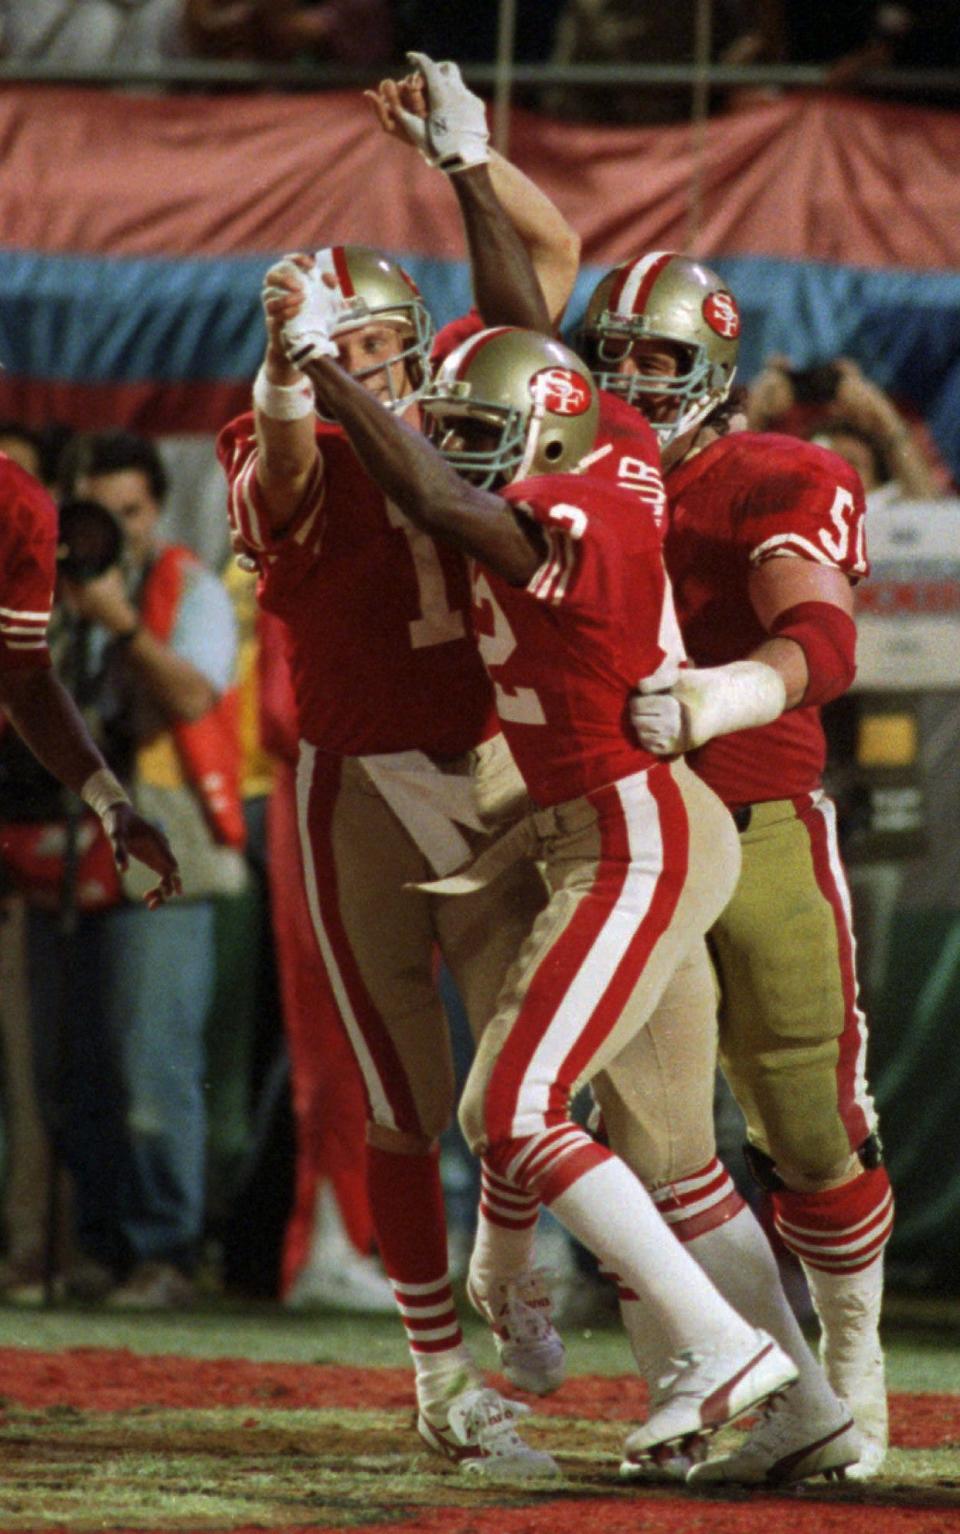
244	512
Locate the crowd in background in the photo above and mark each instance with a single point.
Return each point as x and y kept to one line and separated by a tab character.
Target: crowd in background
851	40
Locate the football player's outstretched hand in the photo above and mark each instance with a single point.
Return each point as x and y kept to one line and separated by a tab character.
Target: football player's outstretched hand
308	333
457	135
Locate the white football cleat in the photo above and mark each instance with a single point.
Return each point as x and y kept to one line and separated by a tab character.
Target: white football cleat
476	1430
789	1445
520	1310
703	1392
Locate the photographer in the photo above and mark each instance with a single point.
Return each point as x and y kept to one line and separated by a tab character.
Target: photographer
849	414
46	726
158	632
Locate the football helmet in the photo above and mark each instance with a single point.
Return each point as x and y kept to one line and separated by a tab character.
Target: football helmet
664	297
531	401
374	289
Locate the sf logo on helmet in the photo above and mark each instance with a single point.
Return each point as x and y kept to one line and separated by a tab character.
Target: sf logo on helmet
722	315
561	391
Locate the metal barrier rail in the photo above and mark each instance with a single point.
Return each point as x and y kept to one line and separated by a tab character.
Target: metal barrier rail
202	74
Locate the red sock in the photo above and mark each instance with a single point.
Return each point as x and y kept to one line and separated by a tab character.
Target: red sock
840	1230
406	1199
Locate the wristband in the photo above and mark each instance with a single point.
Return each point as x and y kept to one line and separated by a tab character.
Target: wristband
103	792
283	402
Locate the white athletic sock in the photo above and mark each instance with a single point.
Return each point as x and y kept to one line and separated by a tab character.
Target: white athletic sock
738	1258
442	1376
612	1214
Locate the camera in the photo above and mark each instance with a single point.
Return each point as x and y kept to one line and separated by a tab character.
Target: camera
89	540
817	385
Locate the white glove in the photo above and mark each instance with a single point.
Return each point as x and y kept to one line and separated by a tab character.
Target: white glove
309	334
658	721
454	135
701	704
273	288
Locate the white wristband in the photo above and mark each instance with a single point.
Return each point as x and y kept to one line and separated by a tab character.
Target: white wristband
103	792
283	402
721	699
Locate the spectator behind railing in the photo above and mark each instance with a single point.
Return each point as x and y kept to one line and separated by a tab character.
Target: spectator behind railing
122	1054
89	33
837	406
317	31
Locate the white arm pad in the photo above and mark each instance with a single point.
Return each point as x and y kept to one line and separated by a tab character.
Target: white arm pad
721	699
701	704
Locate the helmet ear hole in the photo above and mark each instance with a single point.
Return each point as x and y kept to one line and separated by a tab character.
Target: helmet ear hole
552	451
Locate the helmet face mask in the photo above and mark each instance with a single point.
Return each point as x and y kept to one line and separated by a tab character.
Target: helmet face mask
376	293
509	404
682	306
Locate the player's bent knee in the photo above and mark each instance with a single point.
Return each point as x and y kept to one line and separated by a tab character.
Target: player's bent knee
819	1179
471	1120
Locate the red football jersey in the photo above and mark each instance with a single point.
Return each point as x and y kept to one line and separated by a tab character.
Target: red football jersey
745	499
28	563
564	651
382	654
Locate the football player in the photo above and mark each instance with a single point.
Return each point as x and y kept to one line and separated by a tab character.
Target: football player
764	545
570	600
32	697
658	1111
401	772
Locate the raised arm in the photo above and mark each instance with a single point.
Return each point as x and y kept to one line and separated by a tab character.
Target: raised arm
283	402
550	248
412	474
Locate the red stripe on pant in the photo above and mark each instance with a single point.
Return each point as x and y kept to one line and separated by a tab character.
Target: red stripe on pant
529	1038
323	792
329	1105
852	1042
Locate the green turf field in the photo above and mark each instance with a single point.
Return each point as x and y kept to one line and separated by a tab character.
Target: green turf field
228	1419
922	1338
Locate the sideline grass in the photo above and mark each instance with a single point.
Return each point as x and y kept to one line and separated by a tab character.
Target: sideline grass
923	1344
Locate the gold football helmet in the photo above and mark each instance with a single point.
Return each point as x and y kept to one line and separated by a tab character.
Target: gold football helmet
375	289
508	404
664	297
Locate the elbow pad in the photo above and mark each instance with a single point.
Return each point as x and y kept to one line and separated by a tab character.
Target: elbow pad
828	638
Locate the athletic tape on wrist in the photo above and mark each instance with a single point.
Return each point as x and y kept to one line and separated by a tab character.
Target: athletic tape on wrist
283	402
828	638
103	792
721	699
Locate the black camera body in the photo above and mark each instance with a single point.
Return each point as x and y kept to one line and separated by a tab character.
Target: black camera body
89	540
817	385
